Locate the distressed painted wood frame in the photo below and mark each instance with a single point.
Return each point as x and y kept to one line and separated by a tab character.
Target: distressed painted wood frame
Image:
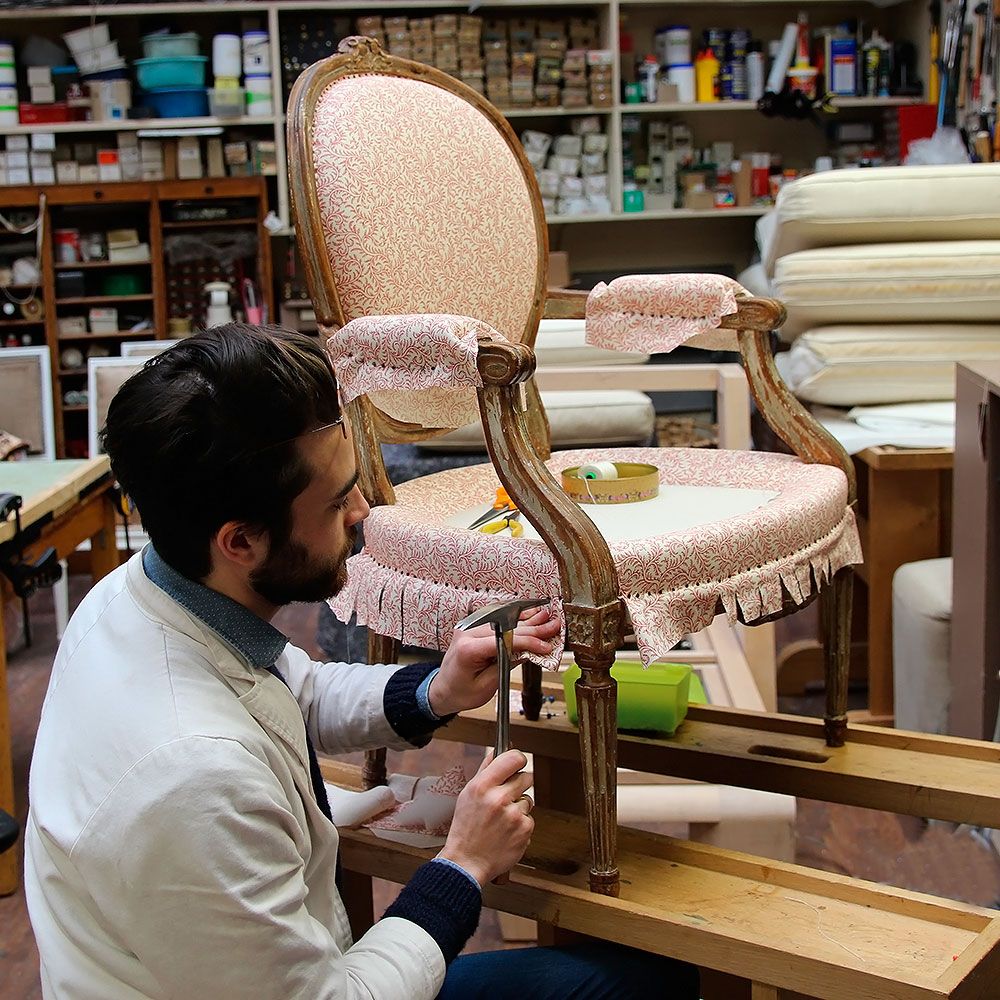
518	443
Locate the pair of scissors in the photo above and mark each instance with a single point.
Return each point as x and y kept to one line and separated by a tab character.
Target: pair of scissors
502	503
510	520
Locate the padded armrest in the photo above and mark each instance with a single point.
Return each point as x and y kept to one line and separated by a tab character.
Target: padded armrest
659	312
413	367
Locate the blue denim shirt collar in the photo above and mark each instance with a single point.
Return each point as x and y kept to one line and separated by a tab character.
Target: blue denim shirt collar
256	640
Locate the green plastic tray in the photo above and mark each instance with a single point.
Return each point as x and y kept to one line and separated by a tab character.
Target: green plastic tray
650	700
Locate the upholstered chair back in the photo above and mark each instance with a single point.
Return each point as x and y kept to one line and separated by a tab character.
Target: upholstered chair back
415	198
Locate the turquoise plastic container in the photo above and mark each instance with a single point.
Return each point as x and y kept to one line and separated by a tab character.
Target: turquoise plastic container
177	71
651	700
177	102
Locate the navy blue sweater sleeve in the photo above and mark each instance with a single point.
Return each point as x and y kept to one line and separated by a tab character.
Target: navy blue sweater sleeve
445	902
402	709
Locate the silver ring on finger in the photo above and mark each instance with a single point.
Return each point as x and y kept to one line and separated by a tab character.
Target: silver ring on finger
530	802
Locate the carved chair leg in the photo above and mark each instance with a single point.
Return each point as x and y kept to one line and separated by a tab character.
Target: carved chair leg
381	649
835	606
596	699
531	690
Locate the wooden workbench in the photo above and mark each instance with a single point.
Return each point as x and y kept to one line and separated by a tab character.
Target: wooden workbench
65	503
777	926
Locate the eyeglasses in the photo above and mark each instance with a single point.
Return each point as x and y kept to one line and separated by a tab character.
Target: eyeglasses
339	422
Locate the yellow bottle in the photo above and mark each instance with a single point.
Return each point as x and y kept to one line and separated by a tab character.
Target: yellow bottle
706	72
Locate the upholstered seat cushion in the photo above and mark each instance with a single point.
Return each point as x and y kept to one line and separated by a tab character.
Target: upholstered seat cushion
888	204
868	364
730	530
576	420
950	281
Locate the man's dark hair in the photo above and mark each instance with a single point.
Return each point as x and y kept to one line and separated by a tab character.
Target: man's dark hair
205	433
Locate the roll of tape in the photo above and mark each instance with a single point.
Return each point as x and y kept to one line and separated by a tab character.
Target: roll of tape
598	470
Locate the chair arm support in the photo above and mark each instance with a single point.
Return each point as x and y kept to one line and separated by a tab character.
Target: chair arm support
595	616
785	415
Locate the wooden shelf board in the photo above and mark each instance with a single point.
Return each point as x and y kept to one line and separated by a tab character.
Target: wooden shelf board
21	322
136	124
95	300
86	265
71	372
554	112
117	335
652	214
839	102
75	408
196	224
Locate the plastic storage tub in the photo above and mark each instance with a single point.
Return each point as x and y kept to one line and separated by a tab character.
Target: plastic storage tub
163	46
652	700
226	102
178	71
177	102
91	37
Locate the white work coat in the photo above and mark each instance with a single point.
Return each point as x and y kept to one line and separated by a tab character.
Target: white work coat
174	847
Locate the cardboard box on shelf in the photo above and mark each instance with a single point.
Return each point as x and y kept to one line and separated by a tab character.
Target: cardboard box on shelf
43	93
17	159
43	175
39	76
39	159
17	176
130	162
17	143
68	172
169	159
216	164
264	157
103	319
189	163
43	141
89	174
108	166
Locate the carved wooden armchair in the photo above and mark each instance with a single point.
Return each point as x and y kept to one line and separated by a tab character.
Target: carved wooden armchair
424	240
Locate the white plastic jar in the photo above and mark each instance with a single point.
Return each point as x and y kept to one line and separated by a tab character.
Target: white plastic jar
256	53
259	94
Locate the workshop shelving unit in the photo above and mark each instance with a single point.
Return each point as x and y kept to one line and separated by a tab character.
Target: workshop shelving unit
669	237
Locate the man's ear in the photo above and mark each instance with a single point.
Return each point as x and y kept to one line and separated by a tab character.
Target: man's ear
237	544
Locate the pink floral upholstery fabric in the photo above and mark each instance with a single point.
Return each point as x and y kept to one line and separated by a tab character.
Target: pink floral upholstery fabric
424	206
654	313
408	362
417	576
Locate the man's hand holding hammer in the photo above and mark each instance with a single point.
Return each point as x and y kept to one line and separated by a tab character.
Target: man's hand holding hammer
492	824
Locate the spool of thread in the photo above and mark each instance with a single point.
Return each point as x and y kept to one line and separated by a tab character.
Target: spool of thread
598	470
226	61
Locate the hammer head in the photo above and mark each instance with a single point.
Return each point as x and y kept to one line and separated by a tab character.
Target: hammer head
503	616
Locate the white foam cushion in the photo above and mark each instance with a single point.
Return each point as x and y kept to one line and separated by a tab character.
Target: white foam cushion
921	639
563	342
869	364
576	420
885	204
952	281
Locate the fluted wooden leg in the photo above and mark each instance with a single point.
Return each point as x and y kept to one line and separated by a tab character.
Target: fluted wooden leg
381	649
596	699
836	617
531	690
